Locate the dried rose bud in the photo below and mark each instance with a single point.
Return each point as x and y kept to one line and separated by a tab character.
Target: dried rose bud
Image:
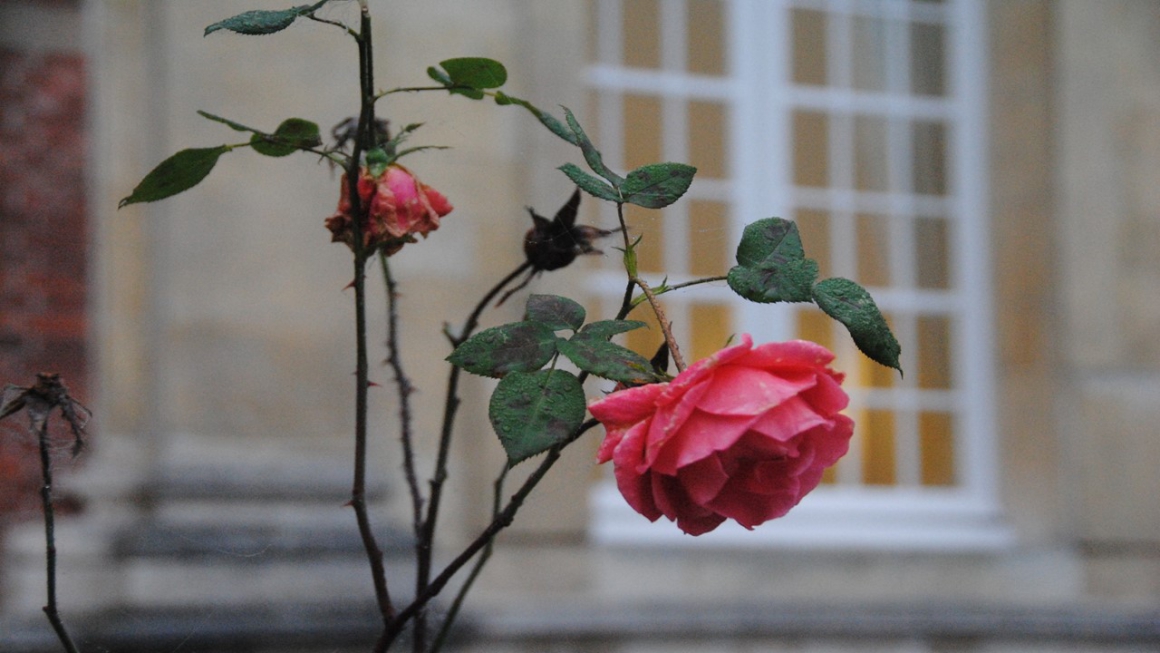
551	245
397	205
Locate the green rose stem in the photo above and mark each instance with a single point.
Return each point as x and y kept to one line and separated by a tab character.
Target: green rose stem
364	142
630	268
50	608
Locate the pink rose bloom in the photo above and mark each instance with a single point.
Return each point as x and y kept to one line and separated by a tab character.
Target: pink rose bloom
398	207
742	435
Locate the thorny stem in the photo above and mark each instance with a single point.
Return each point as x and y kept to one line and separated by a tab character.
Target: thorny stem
403	383
666	326
667	288
50	608
365	141
484	556
500	522
425	542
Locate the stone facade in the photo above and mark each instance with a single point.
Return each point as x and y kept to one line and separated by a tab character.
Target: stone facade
236	391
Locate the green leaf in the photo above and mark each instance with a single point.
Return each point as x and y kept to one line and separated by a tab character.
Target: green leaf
475	72
605	329
534	412
178	173
657	185
236	126
607	360
292	135
261	21
771	239
589	184
850	304
439	76
769	282
546	119
515	347
556	312
591	154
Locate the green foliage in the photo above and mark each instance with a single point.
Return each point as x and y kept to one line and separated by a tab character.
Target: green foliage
590	184
657	185
292	135
469	76
261	21
605	329
850	304
607	360
546	119
516	347
591	154
533	412
178	173
771	265
556	312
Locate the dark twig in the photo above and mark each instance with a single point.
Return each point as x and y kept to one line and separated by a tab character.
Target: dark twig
484	556
501	521
403	383
425	543
364	142
38	401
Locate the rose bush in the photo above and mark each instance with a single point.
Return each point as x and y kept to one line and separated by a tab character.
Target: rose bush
742	435
398	207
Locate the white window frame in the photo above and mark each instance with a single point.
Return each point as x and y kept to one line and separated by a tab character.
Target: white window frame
759	92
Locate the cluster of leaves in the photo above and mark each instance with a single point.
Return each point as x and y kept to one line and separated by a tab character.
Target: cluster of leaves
652	186
534	409
772	267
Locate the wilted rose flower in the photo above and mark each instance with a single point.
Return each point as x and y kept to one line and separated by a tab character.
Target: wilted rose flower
742	435
398	206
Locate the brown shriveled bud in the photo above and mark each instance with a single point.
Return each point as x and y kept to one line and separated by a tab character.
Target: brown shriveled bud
553	244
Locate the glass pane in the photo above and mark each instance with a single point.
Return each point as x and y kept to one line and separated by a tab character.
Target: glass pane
937	442
873	249
927	59
814	227
930	156
931	251
809	47
709	255
707	138
706	37
645	340
934	352
811	159
814	325
642	37
877	429
642	130
871	171
869	52
647	223
712	324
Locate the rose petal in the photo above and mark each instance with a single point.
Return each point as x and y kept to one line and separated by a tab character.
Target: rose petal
740	390
827	397
788	419
703	479
702	435
634	481
670	419
628	406
790	355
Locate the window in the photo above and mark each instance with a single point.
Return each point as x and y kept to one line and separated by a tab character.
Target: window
862	121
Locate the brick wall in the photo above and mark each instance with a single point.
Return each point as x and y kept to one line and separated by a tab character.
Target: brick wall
43	242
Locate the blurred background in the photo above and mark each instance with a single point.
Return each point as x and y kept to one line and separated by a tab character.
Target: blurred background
988	168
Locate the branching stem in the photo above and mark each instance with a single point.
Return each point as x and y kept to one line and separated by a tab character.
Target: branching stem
662	320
